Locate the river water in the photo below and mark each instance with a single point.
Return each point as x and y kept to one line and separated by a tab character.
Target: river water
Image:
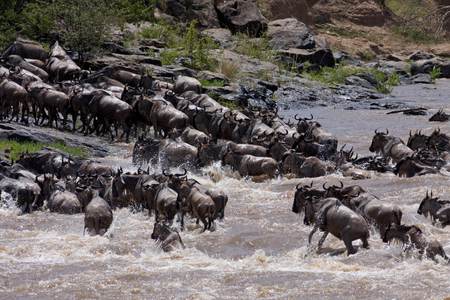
258	252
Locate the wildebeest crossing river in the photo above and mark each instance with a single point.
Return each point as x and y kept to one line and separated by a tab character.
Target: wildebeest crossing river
258	251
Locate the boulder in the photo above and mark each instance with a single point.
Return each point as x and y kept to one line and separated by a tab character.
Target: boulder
427	65
241	16
187	10
419	55
319	57
185	84
298	9
290	33
359	81
222	36
422	78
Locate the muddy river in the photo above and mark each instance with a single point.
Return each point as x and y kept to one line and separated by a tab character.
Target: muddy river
258	252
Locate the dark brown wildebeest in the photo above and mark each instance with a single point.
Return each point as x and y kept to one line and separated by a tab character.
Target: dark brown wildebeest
164	116
98	215
431	205
60	65
12	95
412	237
26	49
169	239
390	147
249	165
331	216
18	61
376	212
200	205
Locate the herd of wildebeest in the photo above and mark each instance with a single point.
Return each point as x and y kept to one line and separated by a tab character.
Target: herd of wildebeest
191	130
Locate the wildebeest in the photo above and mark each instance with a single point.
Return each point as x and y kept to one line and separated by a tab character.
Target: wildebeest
376	212
431	205
440	116
171	152
110	111
199	204
331	216
413	237
185	83
169	239
166	203
60	65
98	215
390	147
164	116
249	165
16	60
26	49
14	96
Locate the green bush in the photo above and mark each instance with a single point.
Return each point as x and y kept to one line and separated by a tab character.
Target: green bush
435	73
258	48
212	83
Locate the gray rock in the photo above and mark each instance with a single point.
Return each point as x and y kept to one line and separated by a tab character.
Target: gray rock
427	65
320	57
211	76
241	16
290	33
222	36
358	81
422	78
419	55
187	10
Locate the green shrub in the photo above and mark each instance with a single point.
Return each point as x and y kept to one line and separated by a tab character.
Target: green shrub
168	34
258	48
169	56
435	73
133	11
212	83
338	75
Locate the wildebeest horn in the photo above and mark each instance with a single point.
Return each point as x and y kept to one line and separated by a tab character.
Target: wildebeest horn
298	119
297	186
410	134
311	185
324	186
387	131
376	131
342	184
166	174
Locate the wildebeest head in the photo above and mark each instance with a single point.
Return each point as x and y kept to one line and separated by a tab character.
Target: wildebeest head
304	124
379	140
417	140
439	141
428	204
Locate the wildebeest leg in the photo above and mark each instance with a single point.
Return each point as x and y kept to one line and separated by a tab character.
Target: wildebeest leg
365	243
322	240
205	224
348	243
312	233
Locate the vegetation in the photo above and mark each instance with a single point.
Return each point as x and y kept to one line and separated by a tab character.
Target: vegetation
435	73
420	21
229	69
16	148
212	83
82	24
187	43
338	75
258	48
